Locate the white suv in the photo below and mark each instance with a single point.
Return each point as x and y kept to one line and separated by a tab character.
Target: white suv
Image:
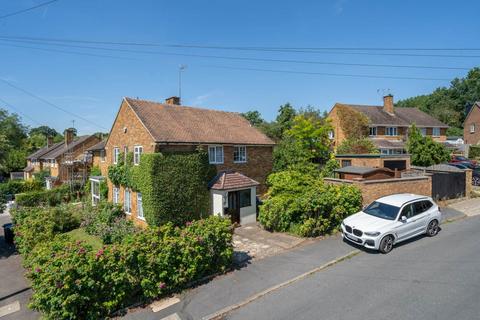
392	219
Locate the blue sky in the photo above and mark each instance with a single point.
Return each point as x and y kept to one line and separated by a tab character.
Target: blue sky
93	86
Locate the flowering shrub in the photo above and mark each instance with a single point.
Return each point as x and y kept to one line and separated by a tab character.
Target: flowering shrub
303	204
70	280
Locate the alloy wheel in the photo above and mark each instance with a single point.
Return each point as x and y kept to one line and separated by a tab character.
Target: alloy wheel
432	228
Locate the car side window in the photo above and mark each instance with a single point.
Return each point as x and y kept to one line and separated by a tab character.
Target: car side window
427	205
419	207
408	211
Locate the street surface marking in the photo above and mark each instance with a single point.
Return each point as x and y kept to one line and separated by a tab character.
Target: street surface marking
10	308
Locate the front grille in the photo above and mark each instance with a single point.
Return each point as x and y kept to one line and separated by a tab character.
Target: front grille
357	232
348	229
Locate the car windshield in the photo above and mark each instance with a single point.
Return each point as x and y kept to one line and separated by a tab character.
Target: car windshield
382	210
461	158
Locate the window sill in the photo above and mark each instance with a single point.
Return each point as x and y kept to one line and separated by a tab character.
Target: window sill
129	213
216	162
240	162
141	218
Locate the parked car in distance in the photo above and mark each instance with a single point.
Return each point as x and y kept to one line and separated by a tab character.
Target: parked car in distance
392	219
462	159
466	165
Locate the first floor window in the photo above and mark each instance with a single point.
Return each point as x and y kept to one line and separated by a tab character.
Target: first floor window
472	128
137	152
116	195
245	198
215	154
95	192
423	131
346	163
116	153
372	131
391	131
140	206
125	154
436	132
127	205
240	154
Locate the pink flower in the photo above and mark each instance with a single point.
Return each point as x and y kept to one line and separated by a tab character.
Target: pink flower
188	224
99	253
37	270
81	251
162	285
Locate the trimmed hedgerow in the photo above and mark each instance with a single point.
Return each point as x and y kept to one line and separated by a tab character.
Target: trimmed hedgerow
174	186
51	197
301	203
12	187
70	280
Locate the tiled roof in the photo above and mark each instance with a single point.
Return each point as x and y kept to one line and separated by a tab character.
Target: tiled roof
173	123
40	152
401	116
388	144
98	146
56	152
228	180
28	168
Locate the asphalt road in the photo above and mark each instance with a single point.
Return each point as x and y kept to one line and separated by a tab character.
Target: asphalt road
428	278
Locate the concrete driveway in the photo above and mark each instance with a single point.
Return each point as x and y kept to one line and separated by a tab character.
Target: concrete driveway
14	289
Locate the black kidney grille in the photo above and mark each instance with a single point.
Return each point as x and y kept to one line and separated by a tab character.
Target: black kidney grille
348	229
357	232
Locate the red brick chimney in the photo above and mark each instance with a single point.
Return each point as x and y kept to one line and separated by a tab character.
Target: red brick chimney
49	141
69	135
173	100
388	103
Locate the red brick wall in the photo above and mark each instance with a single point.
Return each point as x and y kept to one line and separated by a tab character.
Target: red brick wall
473	118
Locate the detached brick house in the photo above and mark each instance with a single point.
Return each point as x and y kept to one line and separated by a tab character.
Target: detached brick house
241	154
388	128
471	126
64	160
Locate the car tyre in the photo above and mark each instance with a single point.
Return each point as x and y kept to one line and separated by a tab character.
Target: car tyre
432	228
386	244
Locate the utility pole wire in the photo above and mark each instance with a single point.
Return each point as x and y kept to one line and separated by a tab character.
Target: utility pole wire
27	9
50	103
20	112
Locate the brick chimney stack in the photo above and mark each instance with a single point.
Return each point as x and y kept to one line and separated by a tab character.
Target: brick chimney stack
173	100
49	141
388	103
68	136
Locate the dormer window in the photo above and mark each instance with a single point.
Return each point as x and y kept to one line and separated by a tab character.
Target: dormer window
436	132
372	131
391	131
472	128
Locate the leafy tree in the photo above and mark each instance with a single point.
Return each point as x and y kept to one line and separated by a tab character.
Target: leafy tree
46	131
254	117
354	123
454	131
357	146
12	138
424	151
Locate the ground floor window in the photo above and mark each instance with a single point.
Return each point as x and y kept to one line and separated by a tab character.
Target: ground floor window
245	198
127	204
116	195
392	151
95	187
140	206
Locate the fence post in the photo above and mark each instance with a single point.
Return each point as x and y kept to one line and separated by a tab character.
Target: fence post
468	182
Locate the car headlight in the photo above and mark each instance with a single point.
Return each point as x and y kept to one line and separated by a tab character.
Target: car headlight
372	234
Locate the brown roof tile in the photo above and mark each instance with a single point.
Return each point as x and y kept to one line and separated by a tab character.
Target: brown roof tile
228	180
173	123
401	117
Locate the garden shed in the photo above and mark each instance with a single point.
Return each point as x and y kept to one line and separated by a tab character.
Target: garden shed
364	173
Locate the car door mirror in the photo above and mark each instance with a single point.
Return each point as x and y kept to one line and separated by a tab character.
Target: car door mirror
403	219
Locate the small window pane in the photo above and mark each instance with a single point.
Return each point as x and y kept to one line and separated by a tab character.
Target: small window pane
240	154
139	205
245	198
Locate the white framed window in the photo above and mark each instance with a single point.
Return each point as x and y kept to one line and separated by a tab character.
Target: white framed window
116	195
240	154
102	155
436	132
116	154
125	153
95	187
391	131
423	131
331	135
140	206
137	152
127	203
472	128
215	154
372	131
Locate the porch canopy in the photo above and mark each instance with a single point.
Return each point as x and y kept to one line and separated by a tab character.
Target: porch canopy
231	180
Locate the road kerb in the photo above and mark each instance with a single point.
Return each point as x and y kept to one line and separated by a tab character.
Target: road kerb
222	312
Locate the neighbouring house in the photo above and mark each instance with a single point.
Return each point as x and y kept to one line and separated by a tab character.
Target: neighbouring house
471	125
388	126
98	156
66	160
241	153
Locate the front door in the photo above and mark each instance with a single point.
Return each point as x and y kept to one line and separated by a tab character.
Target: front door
234	206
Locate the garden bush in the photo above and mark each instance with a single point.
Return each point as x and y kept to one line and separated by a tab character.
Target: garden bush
107	221
71	280
301	203
474	152
51	197
13	187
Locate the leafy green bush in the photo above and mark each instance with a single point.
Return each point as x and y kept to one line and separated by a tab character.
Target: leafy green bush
13	187
424	150
72	281
474	152
303	204
51	197
357	146
34	225
107	221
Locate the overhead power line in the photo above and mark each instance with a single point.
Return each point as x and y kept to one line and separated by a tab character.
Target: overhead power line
328	74
245	58
17	110
28	9
50	103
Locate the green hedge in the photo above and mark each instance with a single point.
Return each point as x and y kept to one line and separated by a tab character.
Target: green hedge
51	197
174	186
301	203
70	280
474	152
13	187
